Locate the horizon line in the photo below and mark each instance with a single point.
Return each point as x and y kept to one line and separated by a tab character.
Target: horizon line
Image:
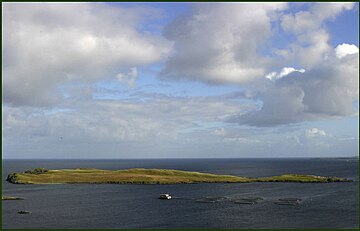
167	158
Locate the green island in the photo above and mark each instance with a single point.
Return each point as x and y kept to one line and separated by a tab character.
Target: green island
148	176
10	198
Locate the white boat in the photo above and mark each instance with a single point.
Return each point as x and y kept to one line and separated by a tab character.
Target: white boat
165	196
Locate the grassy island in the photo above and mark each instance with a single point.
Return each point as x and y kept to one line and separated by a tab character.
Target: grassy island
147	176
10	198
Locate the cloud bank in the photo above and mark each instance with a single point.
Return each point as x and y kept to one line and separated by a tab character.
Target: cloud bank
326	91
218	43
221	44
45	45
278	59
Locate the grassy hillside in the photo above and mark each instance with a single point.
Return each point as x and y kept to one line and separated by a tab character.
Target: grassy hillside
146	176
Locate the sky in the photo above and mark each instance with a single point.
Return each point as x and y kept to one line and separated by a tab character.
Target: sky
179	80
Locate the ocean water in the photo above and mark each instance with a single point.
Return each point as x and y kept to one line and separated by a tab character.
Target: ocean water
329	205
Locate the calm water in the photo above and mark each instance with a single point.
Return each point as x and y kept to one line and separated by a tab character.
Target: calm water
333	205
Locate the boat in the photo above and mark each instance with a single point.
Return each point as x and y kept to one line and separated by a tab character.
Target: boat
165	196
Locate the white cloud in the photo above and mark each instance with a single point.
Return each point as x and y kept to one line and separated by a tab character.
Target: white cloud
128	78
328	87
317	142
217	43
119	128
219	132
304	21
331	9
326	91
312	39
241	140
349	138
45	45
313	132
345	49
284	72
159	118
311	138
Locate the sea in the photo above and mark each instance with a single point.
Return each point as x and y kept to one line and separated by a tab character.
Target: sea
116	206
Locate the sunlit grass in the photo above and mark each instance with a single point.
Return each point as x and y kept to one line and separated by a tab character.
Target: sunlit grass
10	198
149	176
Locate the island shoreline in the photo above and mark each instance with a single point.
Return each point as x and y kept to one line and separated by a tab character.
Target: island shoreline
150	177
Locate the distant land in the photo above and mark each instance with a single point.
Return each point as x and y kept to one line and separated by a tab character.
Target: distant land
10	198
148	176
338	157
155	158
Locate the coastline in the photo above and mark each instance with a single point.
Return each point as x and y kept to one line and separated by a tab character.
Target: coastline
149	176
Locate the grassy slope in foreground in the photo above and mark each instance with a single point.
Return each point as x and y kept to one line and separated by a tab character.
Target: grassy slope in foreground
147	176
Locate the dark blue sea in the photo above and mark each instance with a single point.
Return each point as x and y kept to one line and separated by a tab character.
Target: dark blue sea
322	205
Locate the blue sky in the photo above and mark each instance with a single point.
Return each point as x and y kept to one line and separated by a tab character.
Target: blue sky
180	80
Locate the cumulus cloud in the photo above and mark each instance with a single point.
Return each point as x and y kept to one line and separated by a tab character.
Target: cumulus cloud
216	49
159	118
128	78
218	43
280	106
312	39
219	132
312	137
312	132
51	51
45	45
132	126
345	49
327	88
325	91
284	72
303	21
